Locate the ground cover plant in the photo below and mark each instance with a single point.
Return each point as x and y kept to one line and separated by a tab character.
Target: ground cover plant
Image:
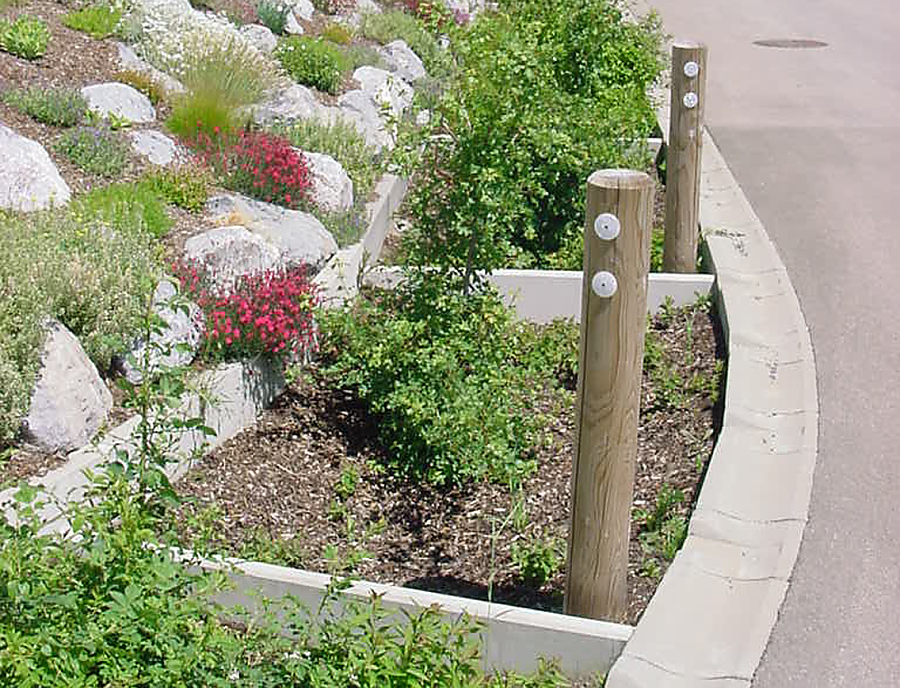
58	107
26	37
97	149
98	21
545	93
314	62
395	24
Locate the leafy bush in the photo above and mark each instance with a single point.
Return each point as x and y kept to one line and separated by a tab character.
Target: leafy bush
257	164
26	37
313	62
537	559
268	313
71	267
95	149
273	15
125	207
515	136
98	21
221	78
449	375
185	186
396	24
59	107
337	33
143	82
343	142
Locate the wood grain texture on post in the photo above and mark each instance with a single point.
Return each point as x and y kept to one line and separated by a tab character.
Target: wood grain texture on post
683	157
613	322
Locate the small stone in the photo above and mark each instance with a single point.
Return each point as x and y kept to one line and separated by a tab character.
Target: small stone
120	100
70	402
304	9
155	146
260	36
128	59
28	178
292	26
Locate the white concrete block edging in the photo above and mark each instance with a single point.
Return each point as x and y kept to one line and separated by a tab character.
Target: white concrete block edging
710	620
541	296
511	638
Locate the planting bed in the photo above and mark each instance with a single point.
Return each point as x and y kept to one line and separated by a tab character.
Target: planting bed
304	487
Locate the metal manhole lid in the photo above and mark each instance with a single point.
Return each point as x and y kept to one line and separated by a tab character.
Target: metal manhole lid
790	43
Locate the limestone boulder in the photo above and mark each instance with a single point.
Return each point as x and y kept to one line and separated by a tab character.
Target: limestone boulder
332	187
156	147
119	100
28	178
260	36
229	253
70	402
402	61
129	60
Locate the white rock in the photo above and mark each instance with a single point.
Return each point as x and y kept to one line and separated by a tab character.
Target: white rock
358	108
176	345
292	26
385	88
120	100
155	146
304	9
260	36
70	402
128	59
289	104
229	253
367	7
332	186
402	61
28	178
299	238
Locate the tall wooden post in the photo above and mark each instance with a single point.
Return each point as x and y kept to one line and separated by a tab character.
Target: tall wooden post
683	157
613	321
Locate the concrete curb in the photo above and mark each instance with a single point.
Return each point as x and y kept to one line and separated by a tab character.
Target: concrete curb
710	619
541	296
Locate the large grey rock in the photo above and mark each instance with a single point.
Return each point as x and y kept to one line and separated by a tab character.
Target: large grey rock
402	61
292	26
289	104
28	178
120	100
385	89
358	108
175	345
304	9
70	402
128	59
298	237
261	37
229	253
332	187
155	146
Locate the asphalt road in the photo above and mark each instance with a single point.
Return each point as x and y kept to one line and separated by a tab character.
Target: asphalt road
813	137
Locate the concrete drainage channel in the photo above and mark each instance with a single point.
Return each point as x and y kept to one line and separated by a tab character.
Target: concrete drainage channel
711	616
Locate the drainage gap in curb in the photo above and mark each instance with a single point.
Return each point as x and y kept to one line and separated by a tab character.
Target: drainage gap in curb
790	43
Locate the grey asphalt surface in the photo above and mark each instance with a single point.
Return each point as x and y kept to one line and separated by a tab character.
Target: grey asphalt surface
813	138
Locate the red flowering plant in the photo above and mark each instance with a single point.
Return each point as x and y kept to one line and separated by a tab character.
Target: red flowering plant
256	164
267	313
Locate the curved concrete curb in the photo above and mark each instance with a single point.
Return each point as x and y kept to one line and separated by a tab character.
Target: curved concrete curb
710	619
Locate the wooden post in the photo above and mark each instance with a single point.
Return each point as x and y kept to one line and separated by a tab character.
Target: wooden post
613	321
683	157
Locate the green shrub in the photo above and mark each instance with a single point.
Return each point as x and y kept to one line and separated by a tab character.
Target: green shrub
95	149
59	107
347	227
506	187
337	33
26	37
125	207
220	79
98	21
537	559
313	62
451	378
143	82
186	186
273	15
343	142
68	266
396	24
362	55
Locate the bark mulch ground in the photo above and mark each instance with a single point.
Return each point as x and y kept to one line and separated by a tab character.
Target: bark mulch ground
304	487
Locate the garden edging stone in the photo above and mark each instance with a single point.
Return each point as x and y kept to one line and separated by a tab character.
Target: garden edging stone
709	622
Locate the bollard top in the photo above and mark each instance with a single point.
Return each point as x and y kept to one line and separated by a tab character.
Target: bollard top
620	179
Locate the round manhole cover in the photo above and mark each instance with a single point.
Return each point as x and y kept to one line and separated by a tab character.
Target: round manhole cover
790	43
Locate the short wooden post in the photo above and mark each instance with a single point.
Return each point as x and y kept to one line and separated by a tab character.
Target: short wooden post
613	321
683	157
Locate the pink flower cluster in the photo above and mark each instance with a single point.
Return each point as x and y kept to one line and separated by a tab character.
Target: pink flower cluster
255	163
267	313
